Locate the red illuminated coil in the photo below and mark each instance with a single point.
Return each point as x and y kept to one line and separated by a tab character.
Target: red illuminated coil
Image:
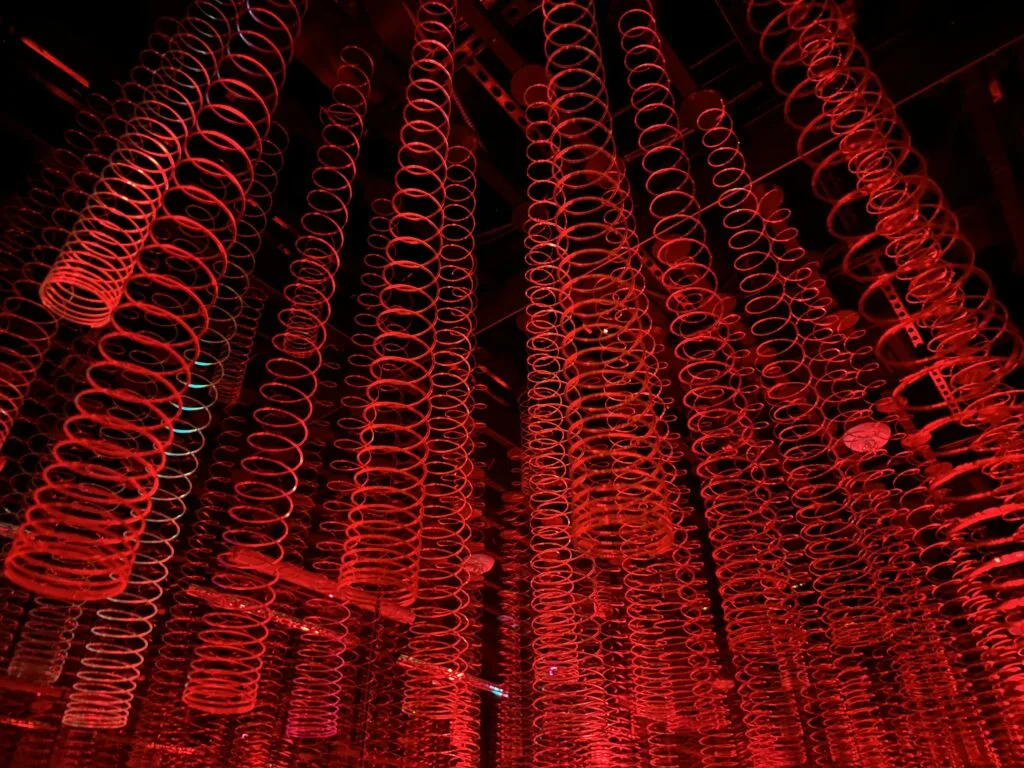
80	536
384	716
466	732
50	208
90	275
225	674
615	432
381	555
673	663
739	503
236	283
163	715
923	287
606	630
513	743
568	706
111	667
317	686
802	313
935	694
254	731
780	300
440	629
103	476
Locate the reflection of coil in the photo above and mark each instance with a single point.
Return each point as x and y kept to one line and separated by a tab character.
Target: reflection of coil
615	431
316	690
92	271
45	641
382	547
246	326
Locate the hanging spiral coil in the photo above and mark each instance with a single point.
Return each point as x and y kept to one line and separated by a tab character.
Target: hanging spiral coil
26	331
225	674
382	547
923	289
103	476
513	738
258	732
90	275
673	642
438	635
615	431
315	695
929	677
111	668
27	328
163	714
722	420
567	704
49	401
780	303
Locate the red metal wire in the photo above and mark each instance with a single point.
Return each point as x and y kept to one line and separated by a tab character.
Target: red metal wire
441	628
924	292
225	672
316	689
91	273
164	717
615	435
381	554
